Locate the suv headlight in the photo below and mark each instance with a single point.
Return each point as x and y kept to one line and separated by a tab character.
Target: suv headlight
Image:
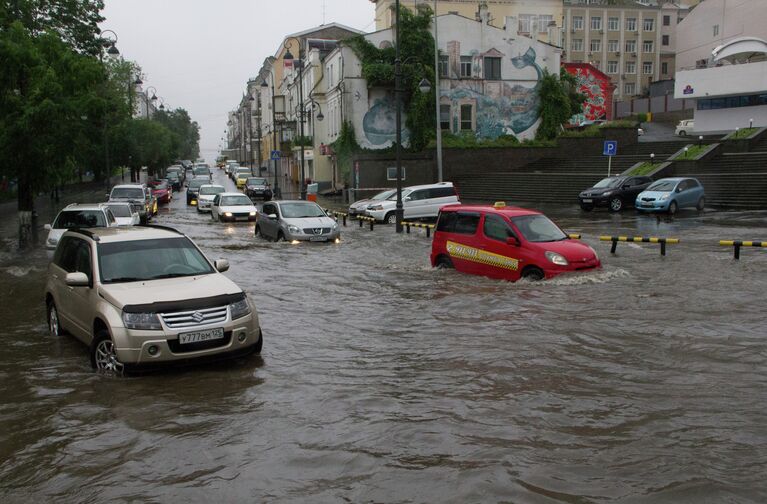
664	197
556	258
376	207
335	226
144	321
52	241
608	193
239	309
294	229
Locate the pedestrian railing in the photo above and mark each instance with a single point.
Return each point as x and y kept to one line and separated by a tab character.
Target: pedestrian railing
640	239
737	244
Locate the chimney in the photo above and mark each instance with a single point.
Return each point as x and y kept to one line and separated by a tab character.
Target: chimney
483	14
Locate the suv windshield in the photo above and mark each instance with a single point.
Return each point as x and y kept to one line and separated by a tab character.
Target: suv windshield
196	183
383	195
235	201
127	193
80	218
299	210
538	228
211	190
201	171
120	210
662	186
132	261
608	182
256	181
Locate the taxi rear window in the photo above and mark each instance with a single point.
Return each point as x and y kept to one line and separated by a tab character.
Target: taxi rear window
458	222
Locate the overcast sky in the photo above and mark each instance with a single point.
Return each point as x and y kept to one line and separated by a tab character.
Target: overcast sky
199	54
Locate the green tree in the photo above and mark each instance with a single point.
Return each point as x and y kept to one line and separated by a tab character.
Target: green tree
185	133
555	106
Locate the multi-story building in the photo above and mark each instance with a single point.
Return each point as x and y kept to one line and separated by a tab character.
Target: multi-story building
632	42
538	19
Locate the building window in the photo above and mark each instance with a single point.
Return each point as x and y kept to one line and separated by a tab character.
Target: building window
647	68
631	67
444	64
576	45
716	30
544	20
612	67
666	20
613	24
665	40
629	88
444	117
467	112
526	23
631	46
493	68
631	24
664	68
465	66
391	173
596	45
577	22
596	23
649	24
647	46
613	46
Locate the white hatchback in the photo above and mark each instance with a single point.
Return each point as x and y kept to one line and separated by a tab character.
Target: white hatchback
418	202
232	207
206	195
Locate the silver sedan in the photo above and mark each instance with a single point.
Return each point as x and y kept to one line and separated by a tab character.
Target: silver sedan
296	220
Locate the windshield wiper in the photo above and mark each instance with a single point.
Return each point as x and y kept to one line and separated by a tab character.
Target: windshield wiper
173	275
124	279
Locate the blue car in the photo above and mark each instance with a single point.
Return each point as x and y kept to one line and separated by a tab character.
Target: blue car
671	194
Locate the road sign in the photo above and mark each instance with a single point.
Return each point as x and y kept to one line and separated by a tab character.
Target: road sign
275	155
611	148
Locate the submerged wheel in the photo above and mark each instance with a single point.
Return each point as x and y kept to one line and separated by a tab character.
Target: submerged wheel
616	204
280	236
444	262
103	354
672	208
391	218
54	325
701	204
533	273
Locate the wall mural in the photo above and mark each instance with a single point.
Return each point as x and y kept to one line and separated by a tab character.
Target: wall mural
500	108
598	91
380	123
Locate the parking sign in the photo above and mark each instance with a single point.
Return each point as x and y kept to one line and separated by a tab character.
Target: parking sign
611	148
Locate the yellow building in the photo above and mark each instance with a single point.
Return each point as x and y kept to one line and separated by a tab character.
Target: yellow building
542	18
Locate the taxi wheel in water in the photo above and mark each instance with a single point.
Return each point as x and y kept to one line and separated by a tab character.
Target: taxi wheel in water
103	354
616	204
54	326
444	262
701	204
672	208
391	218
532	273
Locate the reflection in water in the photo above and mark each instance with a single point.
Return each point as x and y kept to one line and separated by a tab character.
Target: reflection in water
385	380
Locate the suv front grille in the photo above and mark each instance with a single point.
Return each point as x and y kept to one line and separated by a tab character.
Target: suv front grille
192	318
311	231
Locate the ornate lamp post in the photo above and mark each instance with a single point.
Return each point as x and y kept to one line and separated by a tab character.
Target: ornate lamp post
264	85
299	63
147	99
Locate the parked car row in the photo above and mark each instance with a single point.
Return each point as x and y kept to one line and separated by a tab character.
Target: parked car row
663	195
418	202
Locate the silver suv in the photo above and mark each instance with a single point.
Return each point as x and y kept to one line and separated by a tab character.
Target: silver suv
143	296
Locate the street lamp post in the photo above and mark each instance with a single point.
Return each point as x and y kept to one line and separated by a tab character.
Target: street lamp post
147	99
300	64
276	190
109	41
398	103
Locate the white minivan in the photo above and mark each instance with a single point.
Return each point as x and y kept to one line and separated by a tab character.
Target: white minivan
685	127
418	202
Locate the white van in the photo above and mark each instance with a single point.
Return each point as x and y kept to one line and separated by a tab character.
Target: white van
685	127
418	202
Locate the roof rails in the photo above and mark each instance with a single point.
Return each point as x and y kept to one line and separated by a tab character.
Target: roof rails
157	226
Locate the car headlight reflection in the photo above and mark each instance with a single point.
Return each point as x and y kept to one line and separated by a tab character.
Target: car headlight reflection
557	259
142	321
239	309
227	214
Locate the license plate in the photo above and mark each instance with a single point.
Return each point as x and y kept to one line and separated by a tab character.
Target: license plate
588	201
647	204
317	238
241	218
196	337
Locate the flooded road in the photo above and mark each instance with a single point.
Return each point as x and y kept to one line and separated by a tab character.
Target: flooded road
383	380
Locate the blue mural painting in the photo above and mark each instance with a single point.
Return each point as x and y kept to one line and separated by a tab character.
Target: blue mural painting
501	108
380	123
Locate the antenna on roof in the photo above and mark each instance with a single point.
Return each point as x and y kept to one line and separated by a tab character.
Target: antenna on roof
324	5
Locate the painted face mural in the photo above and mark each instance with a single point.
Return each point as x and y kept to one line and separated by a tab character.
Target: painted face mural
380	123
596	90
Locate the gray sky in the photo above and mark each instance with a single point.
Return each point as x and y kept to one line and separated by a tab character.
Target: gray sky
200	53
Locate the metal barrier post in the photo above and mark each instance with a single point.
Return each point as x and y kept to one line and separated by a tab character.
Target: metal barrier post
344	217
737	251
663	247
372	221
614	246
428	231
360	220
407	227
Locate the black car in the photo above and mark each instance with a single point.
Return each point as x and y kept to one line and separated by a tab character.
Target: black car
193	189
258	187
174	181
615	193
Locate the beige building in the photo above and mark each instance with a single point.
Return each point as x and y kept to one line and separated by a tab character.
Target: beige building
716	22
539	19
632	42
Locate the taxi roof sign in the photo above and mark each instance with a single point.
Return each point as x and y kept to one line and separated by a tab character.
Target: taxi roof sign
499	204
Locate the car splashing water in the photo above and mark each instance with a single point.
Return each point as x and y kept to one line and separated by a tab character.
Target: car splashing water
385	380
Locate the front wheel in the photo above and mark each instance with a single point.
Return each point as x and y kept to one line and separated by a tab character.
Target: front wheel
701	204
532	273
616	204
104	355
280	236
672	208
444	263
54	325
391	218
683	133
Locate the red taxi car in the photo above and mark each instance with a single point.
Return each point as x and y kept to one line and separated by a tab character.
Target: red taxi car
505	242
161	190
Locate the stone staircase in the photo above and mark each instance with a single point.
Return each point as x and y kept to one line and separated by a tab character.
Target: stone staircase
734	180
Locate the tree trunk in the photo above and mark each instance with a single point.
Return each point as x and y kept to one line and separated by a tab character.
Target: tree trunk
26	208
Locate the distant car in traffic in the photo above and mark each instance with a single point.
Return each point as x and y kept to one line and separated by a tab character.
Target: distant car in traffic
296	220
206	195
146	296
258	187
78	216
506	243
685	127
139	196
193	188
241	176
418	202
232	207
202	171
124	214
671	194
359	206
161	190
615	193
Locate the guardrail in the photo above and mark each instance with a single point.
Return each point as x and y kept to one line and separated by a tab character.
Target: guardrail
640	239
362	219
336	214
427	227
739	243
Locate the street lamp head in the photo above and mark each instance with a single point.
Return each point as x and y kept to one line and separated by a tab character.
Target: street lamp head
264	84
288	55
320	116
162	106
250	98
424	86
112	51
138	81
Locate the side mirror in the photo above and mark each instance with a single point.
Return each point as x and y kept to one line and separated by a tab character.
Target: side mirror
47	227
221	265
406	198
678	189
272	216
513	241
77	279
